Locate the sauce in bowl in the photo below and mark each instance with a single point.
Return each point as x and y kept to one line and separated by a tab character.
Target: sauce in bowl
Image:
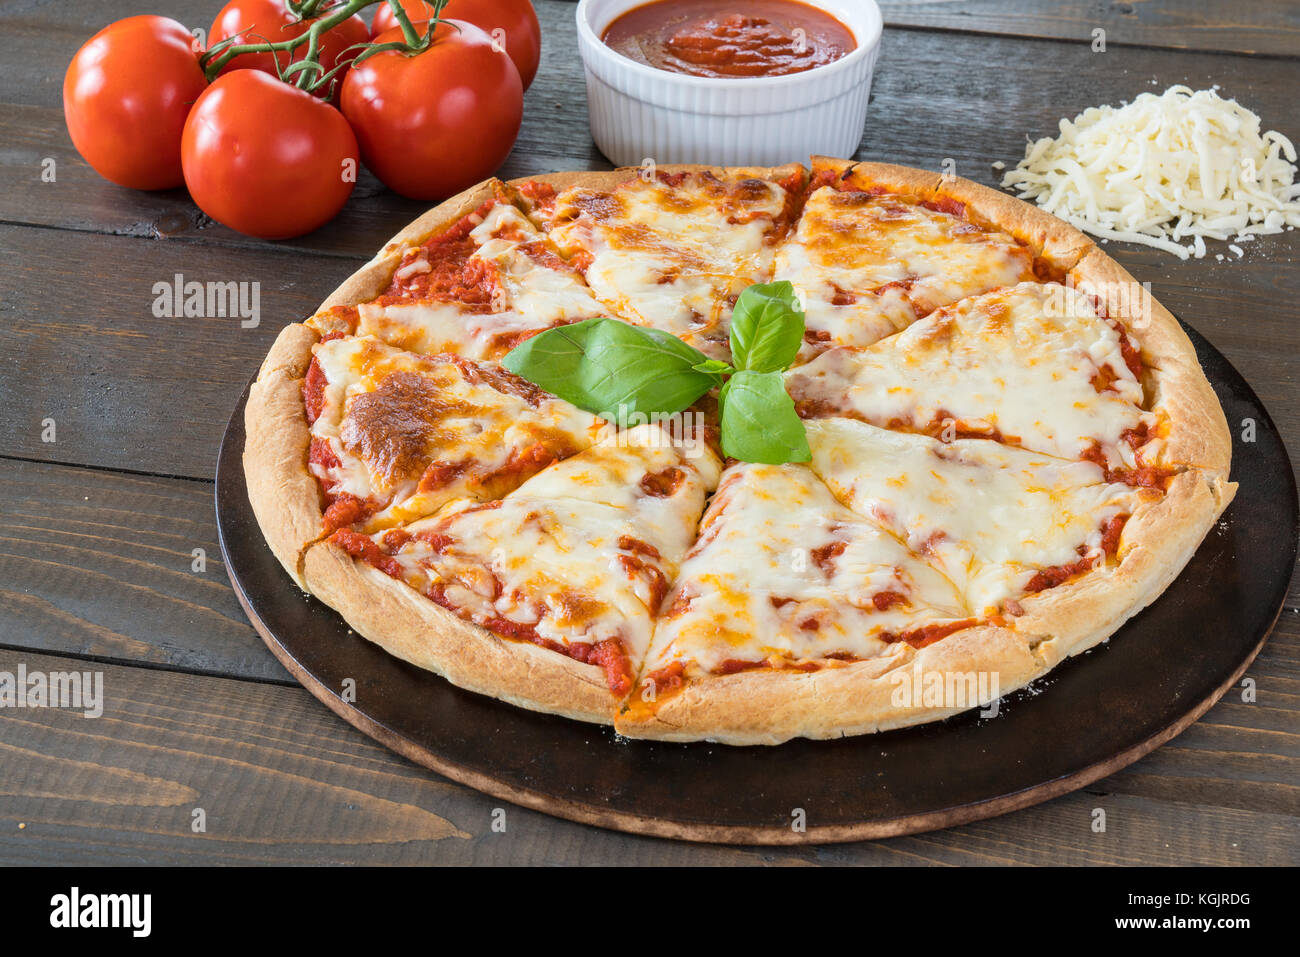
729	38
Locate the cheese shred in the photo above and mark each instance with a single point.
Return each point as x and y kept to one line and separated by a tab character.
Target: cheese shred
1181	165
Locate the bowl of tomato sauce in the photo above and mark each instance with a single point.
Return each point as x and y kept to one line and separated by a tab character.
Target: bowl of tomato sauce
727	82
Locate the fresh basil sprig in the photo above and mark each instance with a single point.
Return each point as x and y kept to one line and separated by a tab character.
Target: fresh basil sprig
758	420
766	328
604	365
612	368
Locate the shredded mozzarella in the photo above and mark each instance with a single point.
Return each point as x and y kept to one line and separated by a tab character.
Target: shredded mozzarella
1179	165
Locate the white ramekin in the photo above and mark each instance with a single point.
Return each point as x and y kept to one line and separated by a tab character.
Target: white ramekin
639	113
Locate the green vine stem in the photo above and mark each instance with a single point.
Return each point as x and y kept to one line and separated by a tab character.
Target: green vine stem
307	73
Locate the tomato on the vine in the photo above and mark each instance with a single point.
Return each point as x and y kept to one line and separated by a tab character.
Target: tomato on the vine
125	98
436	122
273	21
265	158
521	33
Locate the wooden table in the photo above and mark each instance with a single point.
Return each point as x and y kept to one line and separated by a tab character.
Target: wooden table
98	529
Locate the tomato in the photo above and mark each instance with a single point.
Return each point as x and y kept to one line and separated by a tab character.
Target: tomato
272	21
265	158
432	124
125	98
522	33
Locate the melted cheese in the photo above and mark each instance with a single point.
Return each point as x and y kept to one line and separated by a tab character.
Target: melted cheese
1020	362
531	294
865	266
581	552
988	516
673	257
412	432
784	573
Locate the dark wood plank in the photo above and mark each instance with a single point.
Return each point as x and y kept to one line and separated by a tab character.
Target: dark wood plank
79	344
1270	27
101	565
281	780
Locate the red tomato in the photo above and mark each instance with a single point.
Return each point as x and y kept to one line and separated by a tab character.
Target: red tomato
521	34
271	21
125	98
432	124
265	158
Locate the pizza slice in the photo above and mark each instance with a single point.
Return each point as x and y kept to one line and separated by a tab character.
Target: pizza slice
786	579
395	435
476	287
674	249
1034	365
576	560
999	522
867	263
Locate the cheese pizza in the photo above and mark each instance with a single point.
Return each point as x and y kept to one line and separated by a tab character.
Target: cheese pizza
1011	450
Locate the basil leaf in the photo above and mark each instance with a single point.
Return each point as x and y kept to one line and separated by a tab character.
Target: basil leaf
766	327
758	420
713	367
607	366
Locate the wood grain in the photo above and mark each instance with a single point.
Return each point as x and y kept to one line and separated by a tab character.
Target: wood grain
127	389
122	788
1270	27
101	565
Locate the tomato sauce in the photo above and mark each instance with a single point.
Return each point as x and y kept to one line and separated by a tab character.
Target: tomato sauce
668	678
729	39
929	634
445	270
363	547
313	391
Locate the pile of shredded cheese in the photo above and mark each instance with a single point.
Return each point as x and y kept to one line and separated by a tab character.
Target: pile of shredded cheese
1181	165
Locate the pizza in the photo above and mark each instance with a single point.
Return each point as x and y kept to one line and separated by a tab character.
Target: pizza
1013	450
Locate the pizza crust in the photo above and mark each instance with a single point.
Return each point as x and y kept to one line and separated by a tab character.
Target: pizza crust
409	626
879	694
283	493
605	180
